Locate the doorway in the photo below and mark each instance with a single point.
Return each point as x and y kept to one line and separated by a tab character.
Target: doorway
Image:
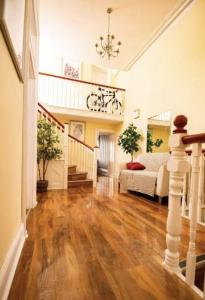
106	141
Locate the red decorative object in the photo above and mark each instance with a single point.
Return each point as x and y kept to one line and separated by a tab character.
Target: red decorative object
180	122
135	166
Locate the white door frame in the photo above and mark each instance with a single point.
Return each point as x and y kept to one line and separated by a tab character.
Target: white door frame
110	133
29	146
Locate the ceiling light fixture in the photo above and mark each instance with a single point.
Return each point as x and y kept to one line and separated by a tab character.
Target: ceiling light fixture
106	46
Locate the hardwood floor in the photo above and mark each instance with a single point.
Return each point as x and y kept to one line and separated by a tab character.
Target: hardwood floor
98	245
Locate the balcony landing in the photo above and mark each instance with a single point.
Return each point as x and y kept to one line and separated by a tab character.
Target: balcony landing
84	114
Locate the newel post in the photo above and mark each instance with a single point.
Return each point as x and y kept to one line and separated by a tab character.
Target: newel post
177	166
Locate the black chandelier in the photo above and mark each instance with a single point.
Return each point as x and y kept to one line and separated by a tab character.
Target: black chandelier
106	46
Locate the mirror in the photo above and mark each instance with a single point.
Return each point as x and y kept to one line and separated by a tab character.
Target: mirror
158	132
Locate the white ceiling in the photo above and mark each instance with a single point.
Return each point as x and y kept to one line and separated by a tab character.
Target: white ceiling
72	27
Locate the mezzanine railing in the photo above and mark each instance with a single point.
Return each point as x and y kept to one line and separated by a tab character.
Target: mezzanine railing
78	94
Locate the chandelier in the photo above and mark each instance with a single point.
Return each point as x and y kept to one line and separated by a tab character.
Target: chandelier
106	46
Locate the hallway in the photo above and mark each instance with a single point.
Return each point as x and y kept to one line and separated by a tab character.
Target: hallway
99	245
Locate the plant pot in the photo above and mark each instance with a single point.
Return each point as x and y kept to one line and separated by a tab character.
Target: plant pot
42	186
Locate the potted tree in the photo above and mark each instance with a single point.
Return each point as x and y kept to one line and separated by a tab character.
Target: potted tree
47	150
129	140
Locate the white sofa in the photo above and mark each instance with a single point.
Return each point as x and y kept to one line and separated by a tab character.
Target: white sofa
154	180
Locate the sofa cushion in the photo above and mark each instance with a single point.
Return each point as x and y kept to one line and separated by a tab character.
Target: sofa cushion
135	166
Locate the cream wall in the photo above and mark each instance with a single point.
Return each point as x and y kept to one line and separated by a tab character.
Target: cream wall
52	64
91	129
170	76
11	106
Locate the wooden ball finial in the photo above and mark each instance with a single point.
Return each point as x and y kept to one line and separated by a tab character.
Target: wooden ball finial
180	122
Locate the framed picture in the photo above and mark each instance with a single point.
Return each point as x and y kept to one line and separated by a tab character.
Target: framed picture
77	129
12	14
71	69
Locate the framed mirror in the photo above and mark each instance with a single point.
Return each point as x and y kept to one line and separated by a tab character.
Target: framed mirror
12	25
158	132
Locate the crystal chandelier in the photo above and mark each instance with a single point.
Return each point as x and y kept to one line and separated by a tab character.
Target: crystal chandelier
106	46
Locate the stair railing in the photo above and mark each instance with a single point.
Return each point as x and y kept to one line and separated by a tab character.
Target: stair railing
179	166
60	128
187	189
62	132
75	152
84	157
75	94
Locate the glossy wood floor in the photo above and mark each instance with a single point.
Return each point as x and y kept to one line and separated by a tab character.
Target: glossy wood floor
100	245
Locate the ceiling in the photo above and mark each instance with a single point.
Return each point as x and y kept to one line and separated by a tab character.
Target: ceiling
71	28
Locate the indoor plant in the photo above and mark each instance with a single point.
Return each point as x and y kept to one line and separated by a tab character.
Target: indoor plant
129	139
47	149
151	143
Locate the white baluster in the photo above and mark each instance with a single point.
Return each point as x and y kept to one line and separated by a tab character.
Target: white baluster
60	82
201	188
95	159
184	205
69	151
65	152
191	256
64	92
189	188
177	166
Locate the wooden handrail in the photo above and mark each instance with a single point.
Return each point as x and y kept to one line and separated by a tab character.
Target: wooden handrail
61	126
51	116
81	81
83	143
194	138
49	119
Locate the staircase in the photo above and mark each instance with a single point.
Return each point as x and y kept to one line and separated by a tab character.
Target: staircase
78	179
80	159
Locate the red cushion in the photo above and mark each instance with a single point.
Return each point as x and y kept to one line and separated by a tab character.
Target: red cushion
135	166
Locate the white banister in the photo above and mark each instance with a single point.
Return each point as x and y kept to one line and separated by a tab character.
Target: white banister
187	191
65	152
177	166
194	194
184	199
201	189
95	160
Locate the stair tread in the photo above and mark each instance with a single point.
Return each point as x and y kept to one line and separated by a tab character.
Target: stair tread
80	180
78	173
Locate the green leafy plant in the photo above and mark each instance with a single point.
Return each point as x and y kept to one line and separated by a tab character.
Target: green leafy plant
47	146
129	139
150	143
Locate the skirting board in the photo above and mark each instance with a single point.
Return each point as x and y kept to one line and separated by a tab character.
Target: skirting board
8	268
